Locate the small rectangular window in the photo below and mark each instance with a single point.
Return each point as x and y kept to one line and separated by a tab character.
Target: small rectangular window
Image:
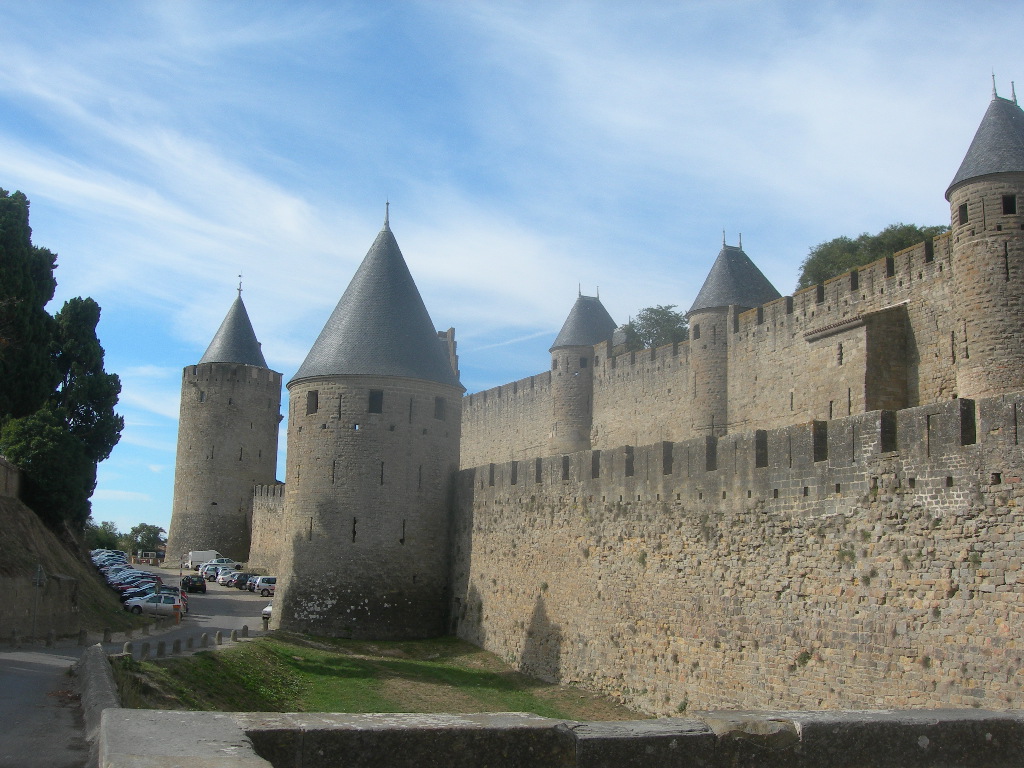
312	401
439	408
962	214
1009	204
376	401
583	362
696	331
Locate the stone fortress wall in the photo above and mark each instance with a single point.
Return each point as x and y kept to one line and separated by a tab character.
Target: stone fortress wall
268	529
882	336
10	479
869	561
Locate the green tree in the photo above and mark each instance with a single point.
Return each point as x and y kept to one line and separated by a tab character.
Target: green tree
57	418
144	537
27	374
841	254
86	394
58	477
655	326
102	536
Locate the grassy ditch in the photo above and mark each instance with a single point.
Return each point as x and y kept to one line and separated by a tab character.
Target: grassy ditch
290	673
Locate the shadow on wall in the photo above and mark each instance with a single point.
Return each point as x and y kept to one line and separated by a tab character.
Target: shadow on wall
542	646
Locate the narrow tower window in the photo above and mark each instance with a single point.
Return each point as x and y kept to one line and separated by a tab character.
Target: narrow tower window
1009	204
312	401
583	362
439	408
839	354
961	214
376	401
202	396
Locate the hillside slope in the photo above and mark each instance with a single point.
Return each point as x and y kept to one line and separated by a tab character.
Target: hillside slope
72	597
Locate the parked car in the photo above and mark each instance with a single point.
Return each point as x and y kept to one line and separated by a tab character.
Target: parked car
223	575
265	585
268	610
250	583
194	584
233	579
161	604
222	561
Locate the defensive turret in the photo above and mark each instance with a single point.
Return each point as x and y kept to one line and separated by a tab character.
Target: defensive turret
572	374
985	199
373	447
227	441
733	285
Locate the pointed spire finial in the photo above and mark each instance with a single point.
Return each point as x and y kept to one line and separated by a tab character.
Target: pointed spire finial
1013	92
387	213
741	241
579	289
599	291
239	285
723	238
995	95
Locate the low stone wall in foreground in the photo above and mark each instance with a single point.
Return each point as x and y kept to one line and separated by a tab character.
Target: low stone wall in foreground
908	739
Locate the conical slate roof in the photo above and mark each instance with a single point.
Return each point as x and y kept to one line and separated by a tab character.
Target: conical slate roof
734	279
998	145
380	327
588	324
235	340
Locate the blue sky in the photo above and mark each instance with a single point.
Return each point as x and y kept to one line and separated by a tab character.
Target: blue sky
527	149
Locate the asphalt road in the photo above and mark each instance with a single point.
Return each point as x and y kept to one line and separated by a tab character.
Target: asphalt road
40	716
39	710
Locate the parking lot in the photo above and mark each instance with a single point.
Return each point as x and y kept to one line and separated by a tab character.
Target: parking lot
221	608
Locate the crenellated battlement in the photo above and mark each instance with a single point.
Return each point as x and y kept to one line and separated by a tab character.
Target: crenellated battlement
238	373
784	461
272	491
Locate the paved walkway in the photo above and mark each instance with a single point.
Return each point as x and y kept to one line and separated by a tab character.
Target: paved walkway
40	718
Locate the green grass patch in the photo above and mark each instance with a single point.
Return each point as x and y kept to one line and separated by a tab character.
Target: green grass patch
290	673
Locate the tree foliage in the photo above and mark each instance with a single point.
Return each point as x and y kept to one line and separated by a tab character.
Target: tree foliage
144	537
655	326
102	536
57	418
27	373
833	257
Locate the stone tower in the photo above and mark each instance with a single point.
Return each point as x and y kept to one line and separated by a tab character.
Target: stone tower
227	441
734	284
985	200
373	448
572	374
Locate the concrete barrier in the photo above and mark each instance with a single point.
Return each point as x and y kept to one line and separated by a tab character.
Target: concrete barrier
144	651
234	635
219	638
98	691
204	640
128	648
176	647
161	648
